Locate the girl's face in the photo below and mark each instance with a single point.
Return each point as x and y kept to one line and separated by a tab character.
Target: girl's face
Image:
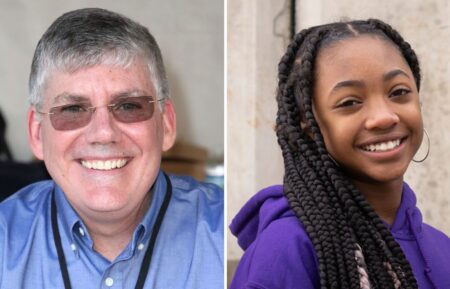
367	106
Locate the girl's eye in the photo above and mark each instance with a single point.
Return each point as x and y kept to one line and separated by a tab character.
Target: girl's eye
348	103
400	92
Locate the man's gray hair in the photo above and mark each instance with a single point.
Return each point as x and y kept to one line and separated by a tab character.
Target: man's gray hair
91	36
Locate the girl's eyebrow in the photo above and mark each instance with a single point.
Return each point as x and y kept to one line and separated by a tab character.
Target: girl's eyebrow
348	83
358	83
391	74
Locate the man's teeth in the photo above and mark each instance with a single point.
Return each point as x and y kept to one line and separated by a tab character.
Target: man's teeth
104	165
382	146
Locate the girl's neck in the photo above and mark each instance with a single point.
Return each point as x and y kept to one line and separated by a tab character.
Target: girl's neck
385	198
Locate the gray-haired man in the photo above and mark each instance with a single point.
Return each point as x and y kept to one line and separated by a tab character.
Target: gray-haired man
100	118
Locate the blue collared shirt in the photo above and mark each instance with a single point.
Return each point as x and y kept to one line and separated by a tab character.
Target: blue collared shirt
188	252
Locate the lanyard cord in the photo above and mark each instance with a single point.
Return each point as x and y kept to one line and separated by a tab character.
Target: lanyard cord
148	253
59	250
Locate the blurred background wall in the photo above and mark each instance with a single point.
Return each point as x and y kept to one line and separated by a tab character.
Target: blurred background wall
190	35
258	33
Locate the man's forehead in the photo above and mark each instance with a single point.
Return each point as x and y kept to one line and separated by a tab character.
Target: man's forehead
100	81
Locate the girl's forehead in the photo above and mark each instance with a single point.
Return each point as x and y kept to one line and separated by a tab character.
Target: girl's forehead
365	50
355	43
365	59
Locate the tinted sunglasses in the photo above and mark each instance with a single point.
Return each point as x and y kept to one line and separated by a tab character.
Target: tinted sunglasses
126	110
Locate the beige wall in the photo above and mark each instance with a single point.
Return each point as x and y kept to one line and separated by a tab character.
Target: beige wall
190	34
253	52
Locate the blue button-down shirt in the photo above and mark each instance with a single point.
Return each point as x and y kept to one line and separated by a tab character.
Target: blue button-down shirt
188	252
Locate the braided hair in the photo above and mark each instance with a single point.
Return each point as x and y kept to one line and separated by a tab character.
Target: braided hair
354	248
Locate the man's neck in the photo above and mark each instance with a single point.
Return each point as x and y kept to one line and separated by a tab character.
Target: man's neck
111	236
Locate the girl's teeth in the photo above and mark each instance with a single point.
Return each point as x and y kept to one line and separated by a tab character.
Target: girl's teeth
382	147
104	165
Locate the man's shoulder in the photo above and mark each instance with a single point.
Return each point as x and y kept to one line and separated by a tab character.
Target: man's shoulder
200	203
26	202
190	188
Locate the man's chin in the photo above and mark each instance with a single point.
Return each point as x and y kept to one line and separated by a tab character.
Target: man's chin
104	200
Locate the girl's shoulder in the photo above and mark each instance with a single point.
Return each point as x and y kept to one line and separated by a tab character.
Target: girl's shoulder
278	251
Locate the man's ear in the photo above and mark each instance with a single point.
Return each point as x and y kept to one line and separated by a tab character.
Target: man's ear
170	125
34	133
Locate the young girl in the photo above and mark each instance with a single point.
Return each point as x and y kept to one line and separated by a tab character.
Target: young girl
348	123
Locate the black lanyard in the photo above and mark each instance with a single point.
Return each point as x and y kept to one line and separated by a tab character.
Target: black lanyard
148	254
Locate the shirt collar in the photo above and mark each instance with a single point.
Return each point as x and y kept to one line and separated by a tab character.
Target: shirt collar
67	215
71	221
145	227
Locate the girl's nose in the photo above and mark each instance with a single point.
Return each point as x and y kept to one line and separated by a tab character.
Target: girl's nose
381	116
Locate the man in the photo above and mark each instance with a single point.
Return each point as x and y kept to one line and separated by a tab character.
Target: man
100	118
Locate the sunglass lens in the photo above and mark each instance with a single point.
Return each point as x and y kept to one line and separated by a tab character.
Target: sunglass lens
133	109
127	110
69	117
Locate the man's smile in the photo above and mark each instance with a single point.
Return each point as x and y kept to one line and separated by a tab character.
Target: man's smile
104	165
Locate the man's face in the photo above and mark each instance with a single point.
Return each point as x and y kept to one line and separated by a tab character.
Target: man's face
134	149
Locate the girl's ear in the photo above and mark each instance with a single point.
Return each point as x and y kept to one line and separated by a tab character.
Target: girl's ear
34	133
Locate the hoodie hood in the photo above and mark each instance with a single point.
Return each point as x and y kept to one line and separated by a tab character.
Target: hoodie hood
266	206
270	204
432	248
427	249
408	220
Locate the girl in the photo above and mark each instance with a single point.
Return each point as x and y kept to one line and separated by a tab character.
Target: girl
348	123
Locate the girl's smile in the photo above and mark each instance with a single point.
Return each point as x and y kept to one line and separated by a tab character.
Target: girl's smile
385	150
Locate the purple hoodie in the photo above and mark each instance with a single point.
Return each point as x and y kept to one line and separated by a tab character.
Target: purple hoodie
279	253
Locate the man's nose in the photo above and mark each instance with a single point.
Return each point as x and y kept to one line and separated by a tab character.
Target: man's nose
381	115
102	128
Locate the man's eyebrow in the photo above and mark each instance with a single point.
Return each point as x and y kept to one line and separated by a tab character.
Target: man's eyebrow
348	83
69	98
391	74
66	97
128	93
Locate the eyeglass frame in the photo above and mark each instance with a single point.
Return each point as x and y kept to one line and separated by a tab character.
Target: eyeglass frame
92	109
